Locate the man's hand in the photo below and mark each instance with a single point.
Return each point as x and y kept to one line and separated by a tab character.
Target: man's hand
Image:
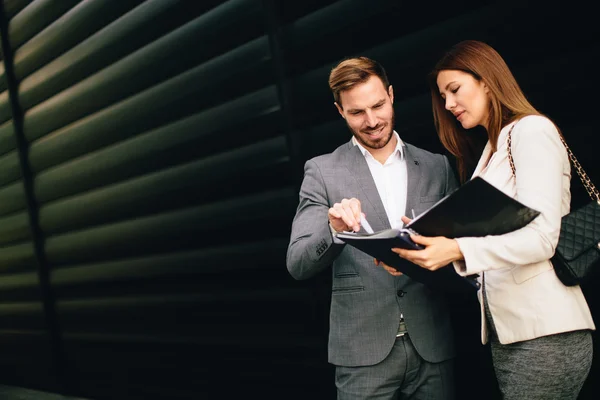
345	215
389	269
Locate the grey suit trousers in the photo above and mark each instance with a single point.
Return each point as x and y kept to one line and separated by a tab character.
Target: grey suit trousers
403	374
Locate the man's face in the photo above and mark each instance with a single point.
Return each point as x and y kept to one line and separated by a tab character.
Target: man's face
368	111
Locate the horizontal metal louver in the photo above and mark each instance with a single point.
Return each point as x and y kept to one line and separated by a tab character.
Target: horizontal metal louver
150	156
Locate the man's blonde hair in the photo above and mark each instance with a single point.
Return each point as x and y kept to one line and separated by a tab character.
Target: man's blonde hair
353	71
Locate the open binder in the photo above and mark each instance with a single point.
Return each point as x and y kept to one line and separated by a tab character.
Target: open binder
475	209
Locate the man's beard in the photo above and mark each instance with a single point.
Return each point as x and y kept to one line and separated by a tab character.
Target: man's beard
369	144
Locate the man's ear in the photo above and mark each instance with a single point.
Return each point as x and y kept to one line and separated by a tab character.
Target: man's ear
391	93
340	109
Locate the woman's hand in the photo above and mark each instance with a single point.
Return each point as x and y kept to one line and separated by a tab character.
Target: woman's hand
439	251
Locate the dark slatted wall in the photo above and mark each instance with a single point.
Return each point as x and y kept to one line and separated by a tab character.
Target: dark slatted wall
150	157
162	182
26	343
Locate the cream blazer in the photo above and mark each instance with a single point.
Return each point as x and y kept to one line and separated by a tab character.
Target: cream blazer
525	297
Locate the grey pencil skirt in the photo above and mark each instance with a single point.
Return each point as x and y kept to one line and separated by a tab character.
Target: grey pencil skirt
552	367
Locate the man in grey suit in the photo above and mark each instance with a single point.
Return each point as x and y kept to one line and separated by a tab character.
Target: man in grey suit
390	336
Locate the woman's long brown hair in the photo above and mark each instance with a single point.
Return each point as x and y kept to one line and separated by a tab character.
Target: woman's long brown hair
508	102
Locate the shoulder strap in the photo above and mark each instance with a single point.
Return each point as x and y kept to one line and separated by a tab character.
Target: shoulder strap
585	179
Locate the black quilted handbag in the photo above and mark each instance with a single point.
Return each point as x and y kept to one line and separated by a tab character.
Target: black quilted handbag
577	254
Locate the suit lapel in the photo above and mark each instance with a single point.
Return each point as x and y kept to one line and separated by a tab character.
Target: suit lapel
413	175
359	169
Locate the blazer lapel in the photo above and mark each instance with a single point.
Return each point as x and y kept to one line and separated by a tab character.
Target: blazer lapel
358	167
413	175
483	160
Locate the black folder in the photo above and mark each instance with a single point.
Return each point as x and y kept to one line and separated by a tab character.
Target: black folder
474	209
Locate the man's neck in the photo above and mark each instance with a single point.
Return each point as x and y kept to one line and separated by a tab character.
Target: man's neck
382	154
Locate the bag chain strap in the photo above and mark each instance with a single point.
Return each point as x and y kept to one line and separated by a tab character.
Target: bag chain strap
585	179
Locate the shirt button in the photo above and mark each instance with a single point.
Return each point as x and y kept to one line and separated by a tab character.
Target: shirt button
401	293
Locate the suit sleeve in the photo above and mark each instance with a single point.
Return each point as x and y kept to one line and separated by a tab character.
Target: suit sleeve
539	156
311	247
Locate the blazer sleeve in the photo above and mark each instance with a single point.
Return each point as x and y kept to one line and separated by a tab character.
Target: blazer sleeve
539	157
311	248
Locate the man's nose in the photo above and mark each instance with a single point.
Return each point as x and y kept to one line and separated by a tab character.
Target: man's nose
371	119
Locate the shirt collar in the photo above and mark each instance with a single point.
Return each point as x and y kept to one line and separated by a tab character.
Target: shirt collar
399	147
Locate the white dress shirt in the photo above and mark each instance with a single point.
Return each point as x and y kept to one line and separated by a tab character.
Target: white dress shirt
390	180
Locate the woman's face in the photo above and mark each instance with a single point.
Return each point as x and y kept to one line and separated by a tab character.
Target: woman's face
465	97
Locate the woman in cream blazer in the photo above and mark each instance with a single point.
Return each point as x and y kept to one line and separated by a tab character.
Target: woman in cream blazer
539	329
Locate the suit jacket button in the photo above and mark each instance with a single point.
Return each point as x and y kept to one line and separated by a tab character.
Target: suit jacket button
401	293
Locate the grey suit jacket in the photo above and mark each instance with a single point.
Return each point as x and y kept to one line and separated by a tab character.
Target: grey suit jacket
366	300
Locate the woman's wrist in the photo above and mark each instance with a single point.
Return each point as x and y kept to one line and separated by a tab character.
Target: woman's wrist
458	255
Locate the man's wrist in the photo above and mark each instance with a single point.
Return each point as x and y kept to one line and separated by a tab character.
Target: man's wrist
333	232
